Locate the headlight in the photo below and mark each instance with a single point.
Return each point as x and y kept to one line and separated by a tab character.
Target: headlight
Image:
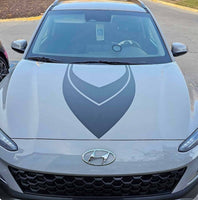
6	142
190	142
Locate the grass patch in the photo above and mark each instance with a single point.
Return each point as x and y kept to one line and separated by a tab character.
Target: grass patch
188	3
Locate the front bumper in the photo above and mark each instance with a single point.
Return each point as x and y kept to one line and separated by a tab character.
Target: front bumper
137	157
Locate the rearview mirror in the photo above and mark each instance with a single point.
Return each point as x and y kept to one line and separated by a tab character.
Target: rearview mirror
19	46
179	49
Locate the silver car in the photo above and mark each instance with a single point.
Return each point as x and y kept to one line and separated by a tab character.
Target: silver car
98	109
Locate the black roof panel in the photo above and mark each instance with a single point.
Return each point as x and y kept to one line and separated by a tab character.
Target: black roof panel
126	5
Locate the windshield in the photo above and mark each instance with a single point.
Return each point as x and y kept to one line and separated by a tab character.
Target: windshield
89	36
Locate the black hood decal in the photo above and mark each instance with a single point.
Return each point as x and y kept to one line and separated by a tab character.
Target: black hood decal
98	108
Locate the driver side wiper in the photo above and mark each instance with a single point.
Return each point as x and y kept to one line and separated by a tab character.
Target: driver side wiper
44	59
103	62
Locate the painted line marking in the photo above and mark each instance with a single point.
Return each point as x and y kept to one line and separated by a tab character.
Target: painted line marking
22	19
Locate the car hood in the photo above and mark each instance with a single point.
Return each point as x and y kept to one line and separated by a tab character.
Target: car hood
109	102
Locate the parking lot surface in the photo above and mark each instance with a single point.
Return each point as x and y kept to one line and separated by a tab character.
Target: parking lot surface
177	26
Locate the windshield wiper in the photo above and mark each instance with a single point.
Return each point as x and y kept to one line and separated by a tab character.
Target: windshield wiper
106	62
44	59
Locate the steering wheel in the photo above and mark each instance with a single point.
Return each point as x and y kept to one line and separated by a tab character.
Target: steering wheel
117	47
126	43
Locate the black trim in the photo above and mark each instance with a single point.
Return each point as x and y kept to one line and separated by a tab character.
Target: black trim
187	192
126	185
139	3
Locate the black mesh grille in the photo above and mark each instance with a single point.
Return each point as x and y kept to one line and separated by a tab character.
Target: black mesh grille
75	186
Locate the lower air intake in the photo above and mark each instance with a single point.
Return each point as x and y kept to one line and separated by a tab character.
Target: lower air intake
76	186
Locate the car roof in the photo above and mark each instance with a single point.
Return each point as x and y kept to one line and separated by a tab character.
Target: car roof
126	5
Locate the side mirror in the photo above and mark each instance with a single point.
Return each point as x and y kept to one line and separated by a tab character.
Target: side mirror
19	46
179	49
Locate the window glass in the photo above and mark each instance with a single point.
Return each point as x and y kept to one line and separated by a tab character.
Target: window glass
93	35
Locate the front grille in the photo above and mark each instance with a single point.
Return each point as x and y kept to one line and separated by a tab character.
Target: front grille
75	186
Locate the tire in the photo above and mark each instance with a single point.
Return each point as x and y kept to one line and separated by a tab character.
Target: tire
3	68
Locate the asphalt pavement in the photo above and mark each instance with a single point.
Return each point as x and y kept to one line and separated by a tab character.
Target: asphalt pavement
177	25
